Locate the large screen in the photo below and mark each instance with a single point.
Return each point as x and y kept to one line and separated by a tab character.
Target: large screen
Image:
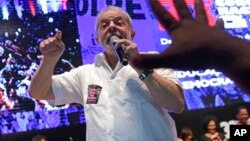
203	88
23	25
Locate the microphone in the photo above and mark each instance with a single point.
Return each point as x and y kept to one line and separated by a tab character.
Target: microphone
119	51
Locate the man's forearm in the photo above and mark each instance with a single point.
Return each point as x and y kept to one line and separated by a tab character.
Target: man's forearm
40	87
165	92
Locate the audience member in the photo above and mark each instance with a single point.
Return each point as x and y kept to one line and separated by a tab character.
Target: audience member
242	116
39	138
186	134
211	128
196	45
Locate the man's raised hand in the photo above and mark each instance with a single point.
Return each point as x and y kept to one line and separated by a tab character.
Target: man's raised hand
53	47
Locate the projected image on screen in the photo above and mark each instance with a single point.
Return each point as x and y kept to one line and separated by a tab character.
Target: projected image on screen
23	25
204	88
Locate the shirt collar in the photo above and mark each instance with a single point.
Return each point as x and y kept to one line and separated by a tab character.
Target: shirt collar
101	60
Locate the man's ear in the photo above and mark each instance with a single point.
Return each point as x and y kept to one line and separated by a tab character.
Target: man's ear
96	38
132	33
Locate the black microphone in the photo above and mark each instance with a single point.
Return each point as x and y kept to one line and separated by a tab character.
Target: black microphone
119	51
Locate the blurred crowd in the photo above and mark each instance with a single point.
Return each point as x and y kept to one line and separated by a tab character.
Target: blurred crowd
19	58
21	121
212	130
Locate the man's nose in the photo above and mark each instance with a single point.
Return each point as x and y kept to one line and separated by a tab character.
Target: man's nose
112	27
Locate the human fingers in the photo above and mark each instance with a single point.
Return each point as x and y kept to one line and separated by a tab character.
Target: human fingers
219	24
59	43
131	50
176	58
52	43
122	43
165	18
200	12
58	35
129	47
48	45
182	9
150	61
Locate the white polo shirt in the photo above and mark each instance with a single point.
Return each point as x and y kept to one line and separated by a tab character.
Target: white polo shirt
117	104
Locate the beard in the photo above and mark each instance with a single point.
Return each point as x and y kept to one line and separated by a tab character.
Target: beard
106	41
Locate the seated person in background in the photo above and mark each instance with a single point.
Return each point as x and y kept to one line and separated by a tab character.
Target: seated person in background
211	128
242	116
196	45
39	138
186	134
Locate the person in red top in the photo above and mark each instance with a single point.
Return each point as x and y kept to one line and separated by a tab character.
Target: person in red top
242	116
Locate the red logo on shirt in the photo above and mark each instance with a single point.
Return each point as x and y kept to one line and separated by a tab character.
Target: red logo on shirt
94	92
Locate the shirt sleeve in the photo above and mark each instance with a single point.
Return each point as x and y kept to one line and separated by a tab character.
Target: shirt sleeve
169	74
66	88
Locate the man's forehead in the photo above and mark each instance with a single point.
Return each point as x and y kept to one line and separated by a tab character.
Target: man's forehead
110	18
111	14
243	110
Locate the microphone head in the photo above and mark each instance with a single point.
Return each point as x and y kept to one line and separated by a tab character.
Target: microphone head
119	51
124	61
113	39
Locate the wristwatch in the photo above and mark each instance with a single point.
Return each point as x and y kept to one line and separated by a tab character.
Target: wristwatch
145	74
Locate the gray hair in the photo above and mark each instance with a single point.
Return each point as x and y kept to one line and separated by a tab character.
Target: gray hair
110	7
